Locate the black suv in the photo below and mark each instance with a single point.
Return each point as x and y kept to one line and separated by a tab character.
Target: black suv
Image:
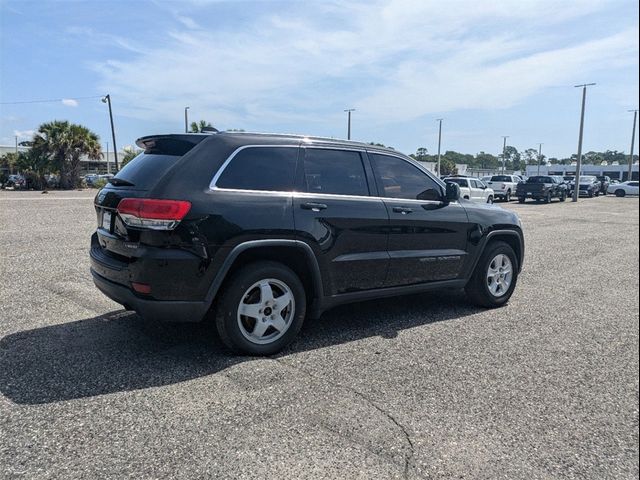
264	230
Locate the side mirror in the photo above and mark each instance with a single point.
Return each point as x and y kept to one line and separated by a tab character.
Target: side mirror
453	192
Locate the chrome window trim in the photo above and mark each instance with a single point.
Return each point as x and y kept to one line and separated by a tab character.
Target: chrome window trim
293	193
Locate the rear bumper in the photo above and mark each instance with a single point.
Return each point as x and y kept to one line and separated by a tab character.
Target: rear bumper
163	311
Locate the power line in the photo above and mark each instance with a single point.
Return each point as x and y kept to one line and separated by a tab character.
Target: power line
50	100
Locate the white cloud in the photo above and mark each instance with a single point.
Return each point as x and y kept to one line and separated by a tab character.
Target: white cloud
69	102
391	60
22	134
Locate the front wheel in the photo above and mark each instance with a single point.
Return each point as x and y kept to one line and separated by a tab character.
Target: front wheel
590	193
507	197
490	199
547	199
620	193
495	276
521	199
563	196
261	309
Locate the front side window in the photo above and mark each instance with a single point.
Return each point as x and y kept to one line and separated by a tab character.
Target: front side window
261	168
397	178
336	172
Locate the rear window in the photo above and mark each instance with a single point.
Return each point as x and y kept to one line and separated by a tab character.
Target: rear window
146	169
261	168
500	178
540	180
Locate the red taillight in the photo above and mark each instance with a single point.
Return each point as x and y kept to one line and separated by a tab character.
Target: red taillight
152	213
144	288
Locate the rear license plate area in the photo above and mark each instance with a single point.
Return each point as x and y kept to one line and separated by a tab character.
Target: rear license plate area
106	220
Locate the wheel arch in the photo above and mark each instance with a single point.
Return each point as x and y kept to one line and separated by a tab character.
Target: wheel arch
294	254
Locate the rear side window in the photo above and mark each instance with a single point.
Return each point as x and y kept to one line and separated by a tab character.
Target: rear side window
261	168
145	170
337	172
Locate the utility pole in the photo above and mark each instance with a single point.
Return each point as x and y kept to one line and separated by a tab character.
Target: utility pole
349	110
576	188
439	143
186	120
539	157
633	144
108	167
504	151
107	99
17	141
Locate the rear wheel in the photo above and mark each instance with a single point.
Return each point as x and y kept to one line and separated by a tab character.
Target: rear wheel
490	199
590	193
563	196
507	197
547	199
495	276
620	193
521	199
261	309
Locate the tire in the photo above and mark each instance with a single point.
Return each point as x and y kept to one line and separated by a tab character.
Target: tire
547	199
247	286
521	199
507	197
563	196
479	289
590	193
490	199
620	193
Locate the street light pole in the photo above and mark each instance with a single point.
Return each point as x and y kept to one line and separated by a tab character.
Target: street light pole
504	151
633	144
439	143
186	120
108	167
539	157
349	110
576	187
107	99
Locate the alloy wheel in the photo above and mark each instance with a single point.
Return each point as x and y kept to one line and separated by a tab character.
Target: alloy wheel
266	311
499	275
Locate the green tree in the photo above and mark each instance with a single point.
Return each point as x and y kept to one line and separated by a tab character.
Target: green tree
129	154
198	127
447	166
63	144
33	167
486	160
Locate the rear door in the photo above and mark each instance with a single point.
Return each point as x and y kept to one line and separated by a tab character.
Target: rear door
337	216
427	237
477	192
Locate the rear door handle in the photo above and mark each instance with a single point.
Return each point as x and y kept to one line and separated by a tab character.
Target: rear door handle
402	210
314	207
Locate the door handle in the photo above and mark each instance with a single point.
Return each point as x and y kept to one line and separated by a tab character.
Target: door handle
314	207
402	210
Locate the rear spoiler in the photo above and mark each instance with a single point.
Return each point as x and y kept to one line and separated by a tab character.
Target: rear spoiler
170	144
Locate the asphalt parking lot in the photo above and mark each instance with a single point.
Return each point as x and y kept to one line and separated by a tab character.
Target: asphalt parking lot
416	387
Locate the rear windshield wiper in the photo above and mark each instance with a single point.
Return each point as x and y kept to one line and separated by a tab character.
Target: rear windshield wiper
119	182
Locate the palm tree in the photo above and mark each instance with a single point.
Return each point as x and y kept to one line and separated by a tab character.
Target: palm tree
63	144
198	127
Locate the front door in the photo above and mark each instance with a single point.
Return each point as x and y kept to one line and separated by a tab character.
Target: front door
427	236
335	214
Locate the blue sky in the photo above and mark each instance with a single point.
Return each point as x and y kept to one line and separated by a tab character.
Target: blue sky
488	68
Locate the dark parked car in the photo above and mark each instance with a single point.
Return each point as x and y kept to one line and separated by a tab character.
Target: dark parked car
542	188
264	230
589	186
604	183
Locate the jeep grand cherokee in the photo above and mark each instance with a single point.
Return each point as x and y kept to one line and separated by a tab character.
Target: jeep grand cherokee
265	230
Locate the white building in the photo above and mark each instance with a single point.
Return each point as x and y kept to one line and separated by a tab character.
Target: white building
616	172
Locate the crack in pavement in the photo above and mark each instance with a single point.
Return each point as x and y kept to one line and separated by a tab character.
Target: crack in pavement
409	459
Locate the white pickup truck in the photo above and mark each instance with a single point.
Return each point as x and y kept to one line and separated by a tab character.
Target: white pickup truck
504	186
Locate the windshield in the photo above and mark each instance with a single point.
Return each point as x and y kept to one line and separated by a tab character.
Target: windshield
540	180
587	179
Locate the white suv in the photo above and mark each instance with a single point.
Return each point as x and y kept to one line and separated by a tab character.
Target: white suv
473	189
